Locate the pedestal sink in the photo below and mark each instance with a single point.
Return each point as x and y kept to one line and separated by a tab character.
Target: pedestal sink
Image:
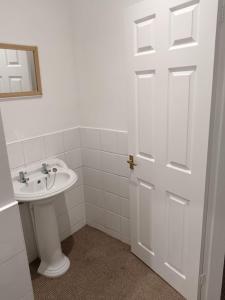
39	187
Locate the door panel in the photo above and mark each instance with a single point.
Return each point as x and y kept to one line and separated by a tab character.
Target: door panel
14	71
177	218
146	211
145	90
171	56
184	23
180	110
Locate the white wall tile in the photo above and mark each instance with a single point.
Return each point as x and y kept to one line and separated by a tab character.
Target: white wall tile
76	214
34	150
71	139
112	203
15	155
115	164
125	207
122	143
123	187
61	156
15	277
92	158
114	141
64	225
94	196
122	166
11	234
112	221
89	213
70	229
98	226
74	196
78	226
111	183
74	159
125	230
108	141
93	177
53	144
90	138
109	162
112	233
95	215
79	172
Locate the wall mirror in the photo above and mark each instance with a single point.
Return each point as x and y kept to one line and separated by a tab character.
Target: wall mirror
19	71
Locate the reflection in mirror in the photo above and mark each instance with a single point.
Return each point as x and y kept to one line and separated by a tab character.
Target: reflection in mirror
19	71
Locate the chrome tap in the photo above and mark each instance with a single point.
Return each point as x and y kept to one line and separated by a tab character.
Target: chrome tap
22	177
44	169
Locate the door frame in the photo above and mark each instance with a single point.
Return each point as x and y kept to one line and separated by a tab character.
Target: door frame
213	246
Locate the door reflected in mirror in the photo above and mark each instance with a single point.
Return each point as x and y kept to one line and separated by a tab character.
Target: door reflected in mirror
19	71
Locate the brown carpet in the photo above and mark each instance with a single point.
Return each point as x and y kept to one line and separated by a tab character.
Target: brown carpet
101	268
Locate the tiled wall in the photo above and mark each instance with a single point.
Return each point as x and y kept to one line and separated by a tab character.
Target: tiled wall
70	207
106	180
15	280
99	198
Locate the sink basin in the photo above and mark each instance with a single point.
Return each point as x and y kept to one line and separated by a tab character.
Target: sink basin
39	192
41	186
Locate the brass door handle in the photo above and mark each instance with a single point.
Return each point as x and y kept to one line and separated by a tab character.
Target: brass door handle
131	162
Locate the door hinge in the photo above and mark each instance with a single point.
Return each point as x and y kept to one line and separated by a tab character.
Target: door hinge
202	279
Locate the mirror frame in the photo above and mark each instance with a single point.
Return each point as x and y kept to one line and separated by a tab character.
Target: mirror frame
38	90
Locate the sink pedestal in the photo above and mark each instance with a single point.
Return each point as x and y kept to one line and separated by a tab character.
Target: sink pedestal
39	189
53	262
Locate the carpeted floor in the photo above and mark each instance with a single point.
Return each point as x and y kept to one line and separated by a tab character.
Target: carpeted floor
101	268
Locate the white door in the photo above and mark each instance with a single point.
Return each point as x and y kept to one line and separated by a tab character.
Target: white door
14	71
171	45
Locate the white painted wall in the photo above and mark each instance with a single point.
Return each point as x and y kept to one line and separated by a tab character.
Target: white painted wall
6	194
45	23
13	256
93	48
99	32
